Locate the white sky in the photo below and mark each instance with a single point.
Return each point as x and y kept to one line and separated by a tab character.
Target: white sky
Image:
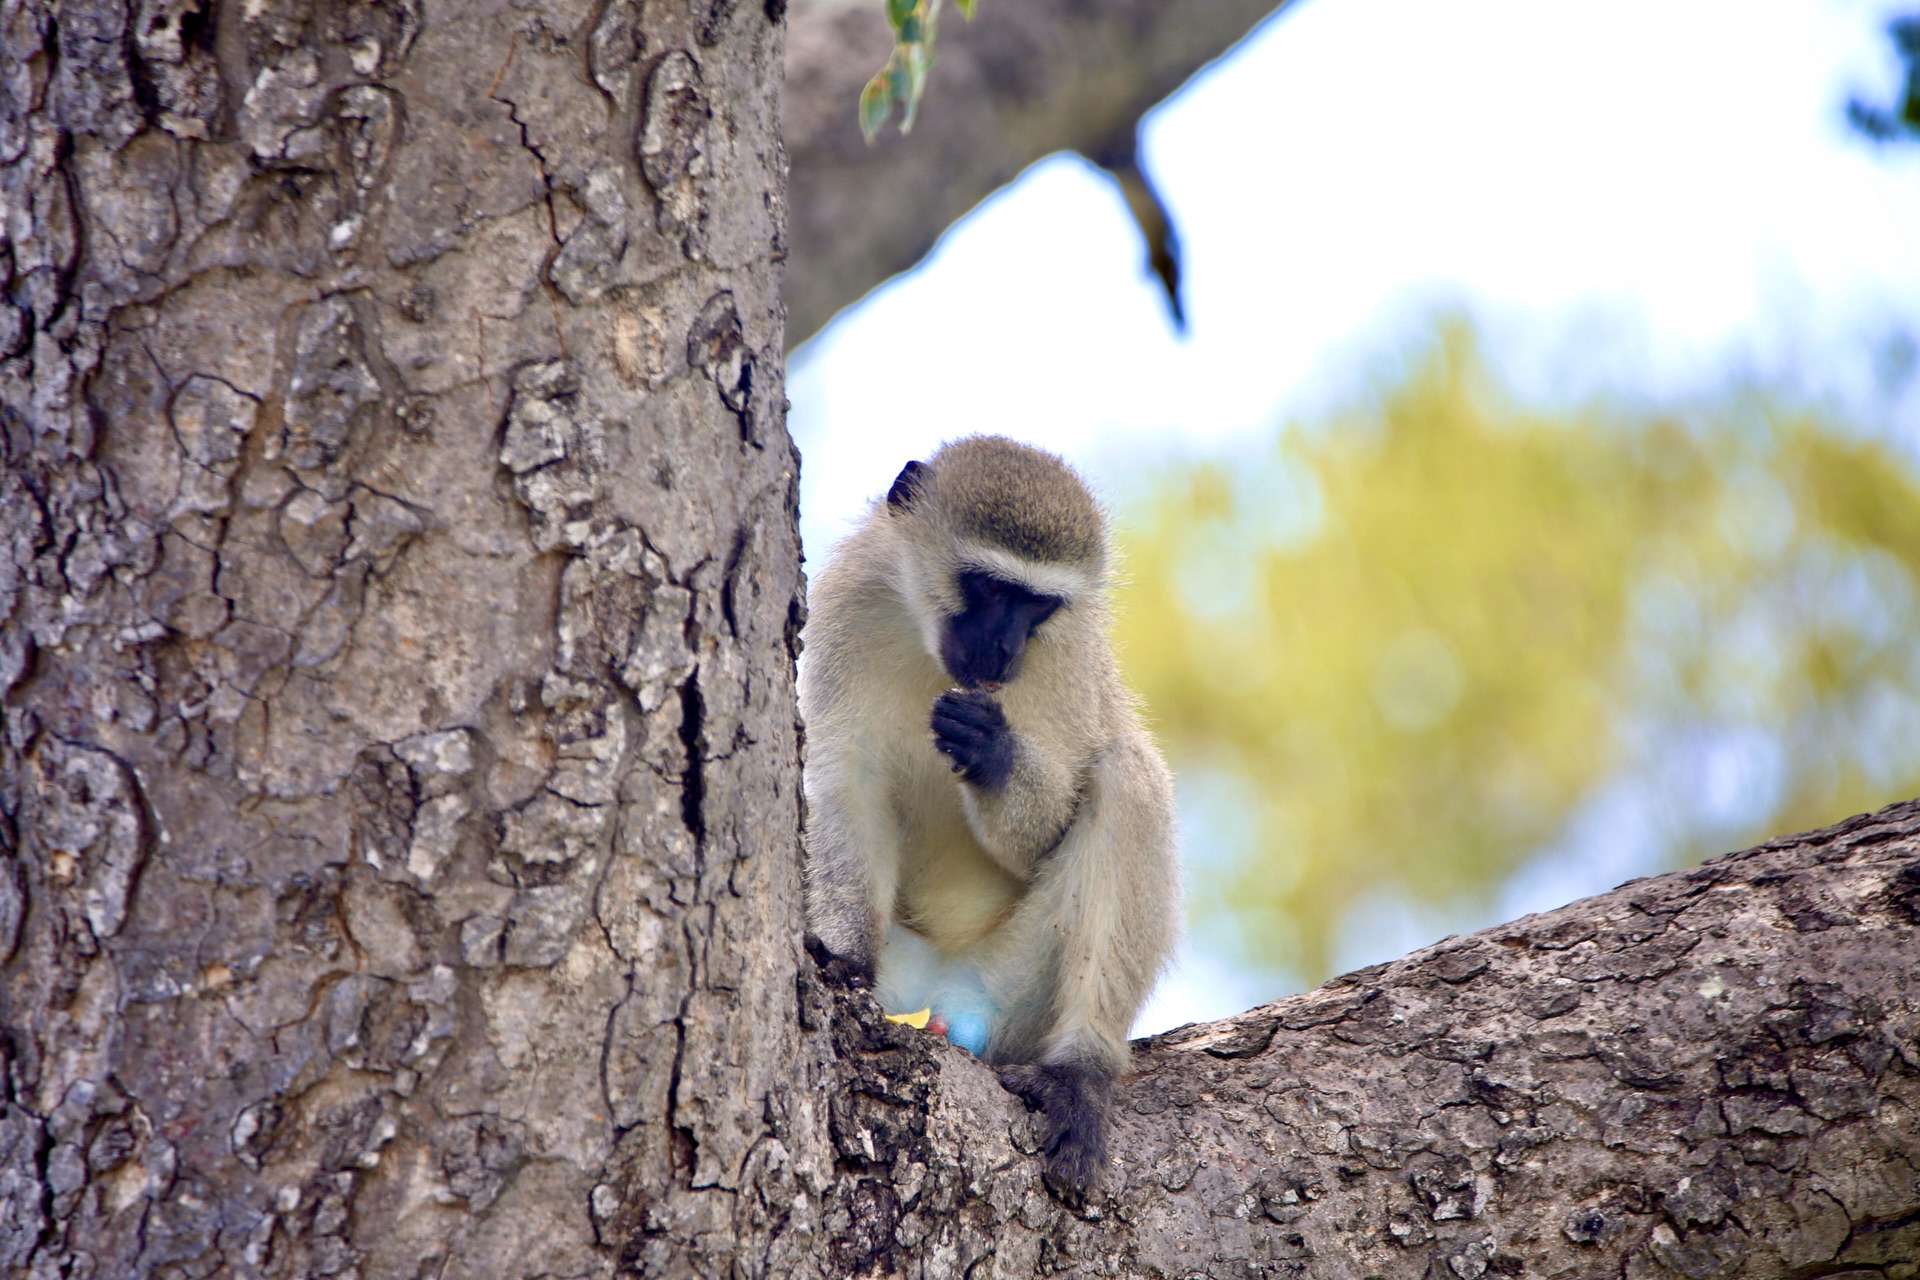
1631	195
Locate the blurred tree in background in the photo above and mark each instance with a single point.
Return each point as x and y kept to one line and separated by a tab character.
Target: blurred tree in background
1901	121
1407	645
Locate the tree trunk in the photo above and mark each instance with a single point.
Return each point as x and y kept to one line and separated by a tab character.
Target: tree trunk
401	588
400	873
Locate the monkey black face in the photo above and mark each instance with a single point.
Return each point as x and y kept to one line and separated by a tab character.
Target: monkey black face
984	642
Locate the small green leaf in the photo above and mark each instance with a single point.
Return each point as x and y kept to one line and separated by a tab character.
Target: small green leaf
900	90
904	78
965	7
876	103
917	62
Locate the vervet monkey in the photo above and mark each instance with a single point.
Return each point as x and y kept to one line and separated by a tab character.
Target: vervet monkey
989	827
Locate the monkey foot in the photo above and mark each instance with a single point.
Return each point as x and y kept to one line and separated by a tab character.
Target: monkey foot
1073	1099
839	970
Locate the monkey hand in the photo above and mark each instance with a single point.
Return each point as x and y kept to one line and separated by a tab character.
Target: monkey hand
1073	1103
971	731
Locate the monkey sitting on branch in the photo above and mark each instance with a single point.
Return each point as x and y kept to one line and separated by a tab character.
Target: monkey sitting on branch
990	828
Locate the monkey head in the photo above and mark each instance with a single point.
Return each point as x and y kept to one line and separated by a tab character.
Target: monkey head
996	539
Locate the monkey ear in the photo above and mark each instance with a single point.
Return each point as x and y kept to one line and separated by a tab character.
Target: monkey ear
906	484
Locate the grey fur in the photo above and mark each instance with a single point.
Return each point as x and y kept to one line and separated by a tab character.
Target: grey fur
1062	887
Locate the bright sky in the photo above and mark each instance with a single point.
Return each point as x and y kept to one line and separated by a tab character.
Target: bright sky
1634	195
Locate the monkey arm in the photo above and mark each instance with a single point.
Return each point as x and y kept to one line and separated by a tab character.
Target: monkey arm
1019	796
1018	823
852	864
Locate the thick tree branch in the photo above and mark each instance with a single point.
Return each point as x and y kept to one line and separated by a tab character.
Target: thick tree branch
1024	80
1711	1073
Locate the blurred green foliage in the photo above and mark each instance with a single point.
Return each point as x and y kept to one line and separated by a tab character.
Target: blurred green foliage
1419	634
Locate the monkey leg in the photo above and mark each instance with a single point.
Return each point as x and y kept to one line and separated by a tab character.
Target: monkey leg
1080	954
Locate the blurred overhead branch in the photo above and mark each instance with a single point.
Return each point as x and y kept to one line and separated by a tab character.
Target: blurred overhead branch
1024	81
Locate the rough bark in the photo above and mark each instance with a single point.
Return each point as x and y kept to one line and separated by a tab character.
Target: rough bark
400	584
398	807
1025	79
1710	1074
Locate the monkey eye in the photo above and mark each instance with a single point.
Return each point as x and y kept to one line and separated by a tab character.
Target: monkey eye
1011	606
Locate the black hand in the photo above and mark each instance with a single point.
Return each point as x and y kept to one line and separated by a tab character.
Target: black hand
970	729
